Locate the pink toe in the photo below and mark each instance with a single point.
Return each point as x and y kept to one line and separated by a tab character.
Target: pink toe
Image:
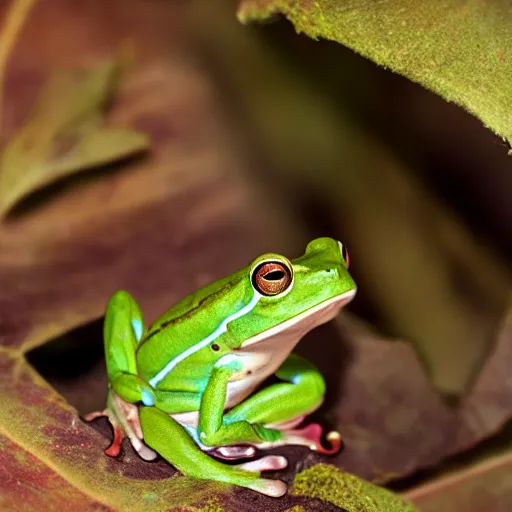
313	433
93	415
234	452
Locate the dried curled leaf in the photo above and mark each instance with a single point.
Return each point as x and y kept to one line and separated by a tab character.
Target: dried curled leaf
460	50
65	134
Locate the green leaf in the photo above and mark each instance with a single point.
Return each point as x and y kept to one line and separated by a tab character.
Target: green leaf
65	134
460	50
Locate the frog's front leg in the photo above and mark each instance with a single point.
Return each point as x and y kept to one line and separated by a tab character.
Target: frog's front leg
213	430
122	331
281	407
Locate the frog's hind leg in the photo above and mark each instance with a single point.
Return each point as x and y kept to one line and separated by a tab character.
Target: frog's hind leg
284	406
172	441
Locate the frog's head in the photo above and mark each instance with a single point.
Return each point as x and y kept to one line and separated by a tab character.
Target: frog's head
259	313
289	298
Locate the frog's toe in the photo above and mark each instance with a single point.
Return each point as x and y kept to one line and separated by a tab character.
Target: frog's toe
234	452
94	415
311	436
272	488
115	447
267	463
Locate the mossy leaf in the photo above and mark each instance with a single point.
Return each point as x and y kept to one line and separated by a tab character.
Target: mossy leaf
460	50
350	493
65	133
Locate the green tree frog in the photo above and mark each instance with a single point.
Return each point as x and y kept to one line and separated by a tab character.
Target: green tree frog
189	387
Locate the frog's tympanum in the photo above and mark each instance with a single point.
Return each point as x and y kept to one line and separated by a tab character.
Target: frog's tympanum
189	387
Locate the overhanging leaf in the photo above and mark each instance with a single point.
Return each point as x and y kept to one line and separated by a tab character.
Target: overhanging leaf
460	50
367	193
65	134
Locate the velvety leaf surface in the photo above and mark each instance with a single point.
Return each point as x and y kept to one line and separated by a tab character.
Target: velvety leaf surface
64	134
460	50
486	486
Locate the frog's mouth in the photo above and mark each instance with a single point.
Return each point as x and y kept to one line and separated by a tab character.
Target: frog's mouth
295	328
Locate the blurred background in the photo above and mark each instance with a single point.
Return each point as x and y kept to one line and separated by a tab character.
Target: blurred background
225	141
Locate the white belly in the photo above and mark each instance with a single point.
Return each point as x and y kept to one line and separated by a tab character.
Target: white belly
259	366
263	354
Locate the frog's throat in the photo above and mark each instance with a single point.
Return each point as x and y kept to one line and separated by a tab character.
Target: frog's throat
221	329
310	318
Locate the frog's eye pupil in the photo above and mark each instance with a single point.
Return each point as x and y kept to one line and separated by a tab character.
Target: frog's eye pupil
272	278
215	347
274	275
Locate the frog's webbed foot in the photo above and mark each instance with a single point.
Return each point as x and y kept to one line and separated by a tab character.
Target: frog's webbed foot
273	488
311	436
114	448
267	463
124	419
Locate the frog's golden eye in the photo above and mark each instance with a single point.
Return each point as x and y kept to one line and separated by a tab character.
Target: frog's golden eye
272	277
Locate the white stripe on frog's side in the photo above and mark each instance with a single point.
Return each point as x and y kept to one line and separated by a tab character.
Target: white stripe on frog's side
221	329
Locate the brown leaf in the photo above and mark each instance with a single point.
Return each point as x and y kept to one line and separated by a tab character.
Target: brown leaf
392	420
485	486
30	481
191	212
64	134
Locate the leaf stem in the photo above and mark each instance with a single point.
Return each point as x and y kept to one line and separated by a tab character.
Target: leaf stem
16	15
